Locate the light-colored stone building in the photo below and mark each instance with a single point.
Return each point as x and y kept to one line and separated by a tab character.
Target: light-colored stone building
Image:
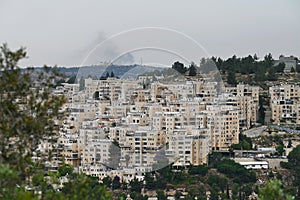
285	104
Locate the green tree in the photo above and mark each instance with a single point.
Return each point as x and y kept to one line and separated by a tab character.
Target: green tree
8	180
268	60
246	190
280	150
236	172
273	191
231	78
235	191
246	145
161	195
218	182
107	181
137	196
150	182
272	76
201	170
242	145
214	193
192	69
112	74
177	195
116	183
28	109
65	169
179	67
290	144
261	110
294	165
260	75
81	187
280	67
201	194
122	196
135	185
214	158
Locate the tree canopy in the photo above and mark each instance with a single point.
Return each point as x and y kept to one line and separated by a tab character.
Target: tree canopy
28	108
273	190
28	112
294	165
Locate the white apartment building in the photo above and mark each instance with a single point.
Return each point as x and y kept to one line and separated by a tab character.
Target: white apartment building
188	148
106	89
285	104
247	98
94	148
140	148
95	157
68	149
223	124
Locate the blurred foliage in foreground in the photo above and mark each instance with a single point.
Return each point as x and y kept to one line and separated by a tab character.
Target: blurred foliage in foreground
28	110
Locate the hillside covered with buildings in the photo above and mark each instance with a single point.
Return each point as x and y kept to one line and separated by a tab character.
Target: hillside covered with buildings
129	127
149	133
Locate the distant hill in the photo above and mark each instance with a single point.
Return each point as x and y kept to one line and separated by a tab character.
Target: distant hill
97	71
72	71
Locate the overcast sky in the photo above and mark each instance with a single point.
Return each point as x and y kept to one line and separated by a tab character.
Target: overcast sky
63	32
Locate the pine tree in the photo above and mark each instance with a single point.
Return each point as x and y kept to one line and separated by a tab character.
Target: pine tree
112	74
192	70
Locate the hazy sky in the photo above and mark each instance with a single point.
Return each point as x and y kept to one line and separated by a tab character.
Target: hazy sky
63	32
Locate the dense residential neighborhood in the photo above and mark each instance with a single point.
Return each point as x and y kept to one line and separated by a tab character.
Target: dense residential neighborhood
130	127
149	100
156	133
